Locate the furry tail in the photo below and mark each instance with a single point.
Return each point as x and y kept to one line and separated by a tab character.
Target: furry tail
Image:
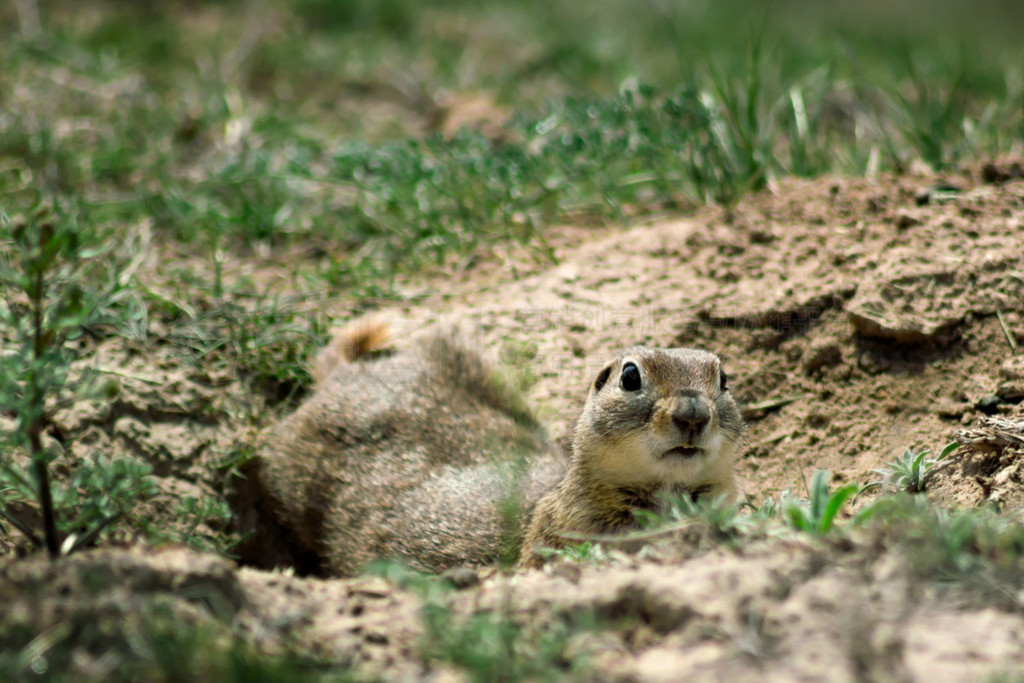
359	339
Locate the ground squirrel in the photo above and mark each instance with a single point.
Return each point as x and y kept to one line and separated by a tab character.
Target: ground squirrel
424	454
655	421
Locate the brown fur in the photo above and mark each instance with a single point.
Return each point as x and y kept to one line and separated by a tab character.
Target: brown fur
419	455
425	455
359	340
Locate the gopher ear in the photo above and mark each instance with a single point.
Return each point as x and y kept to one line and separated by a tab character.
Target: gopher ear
602	378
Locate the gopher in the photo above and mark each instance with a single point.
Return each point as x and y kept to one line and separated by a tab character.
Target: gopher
425	454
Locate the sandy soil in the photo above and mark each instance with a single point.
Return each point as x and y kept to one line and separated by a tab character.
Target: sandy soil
856	318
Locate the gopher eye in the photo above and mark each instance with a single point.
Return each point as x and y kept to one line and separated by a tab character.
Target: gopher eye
722	381
630	377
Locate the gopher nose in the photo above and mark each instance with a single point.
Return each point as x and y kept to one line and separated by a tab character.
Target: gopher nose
691	416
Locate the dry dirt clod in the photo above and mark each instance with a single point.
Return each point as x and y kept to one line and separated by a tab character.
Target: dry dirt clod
927	306
822	353
989	404
988	467
1011	391
905	220
1012	368
939	192
462	577
996	174
951	409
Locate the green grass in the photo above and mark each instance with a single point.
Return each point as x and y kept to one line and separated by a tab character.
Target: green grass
587	552
976	553
157	641
61	284
496	645
266	341
253	126
818	514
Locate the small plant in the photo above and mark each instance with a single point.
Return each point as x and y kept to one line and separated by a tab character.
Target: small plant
267	343
721	518
909	471
198	511
932	119
46	304
769	509
101	492
743	124
580	553
494	647
818	515
973	549
804	118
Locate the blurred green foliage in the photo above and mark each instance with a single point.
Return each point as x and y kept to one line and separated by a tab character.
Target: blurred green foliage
238	124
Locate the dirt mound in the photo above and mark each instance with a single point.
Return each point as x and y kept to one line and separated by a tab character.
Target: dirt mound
785	609
929	306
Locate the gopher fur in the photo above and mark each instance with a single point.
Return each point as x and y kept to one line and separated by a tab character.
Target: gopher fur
360	340
425	455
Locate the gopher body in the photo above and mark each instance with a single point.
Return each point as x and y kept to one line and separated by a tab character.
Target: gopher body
420	453
424	454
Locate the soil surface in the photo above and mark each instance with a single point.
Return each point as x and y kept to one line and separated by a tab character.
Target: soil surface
856	318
